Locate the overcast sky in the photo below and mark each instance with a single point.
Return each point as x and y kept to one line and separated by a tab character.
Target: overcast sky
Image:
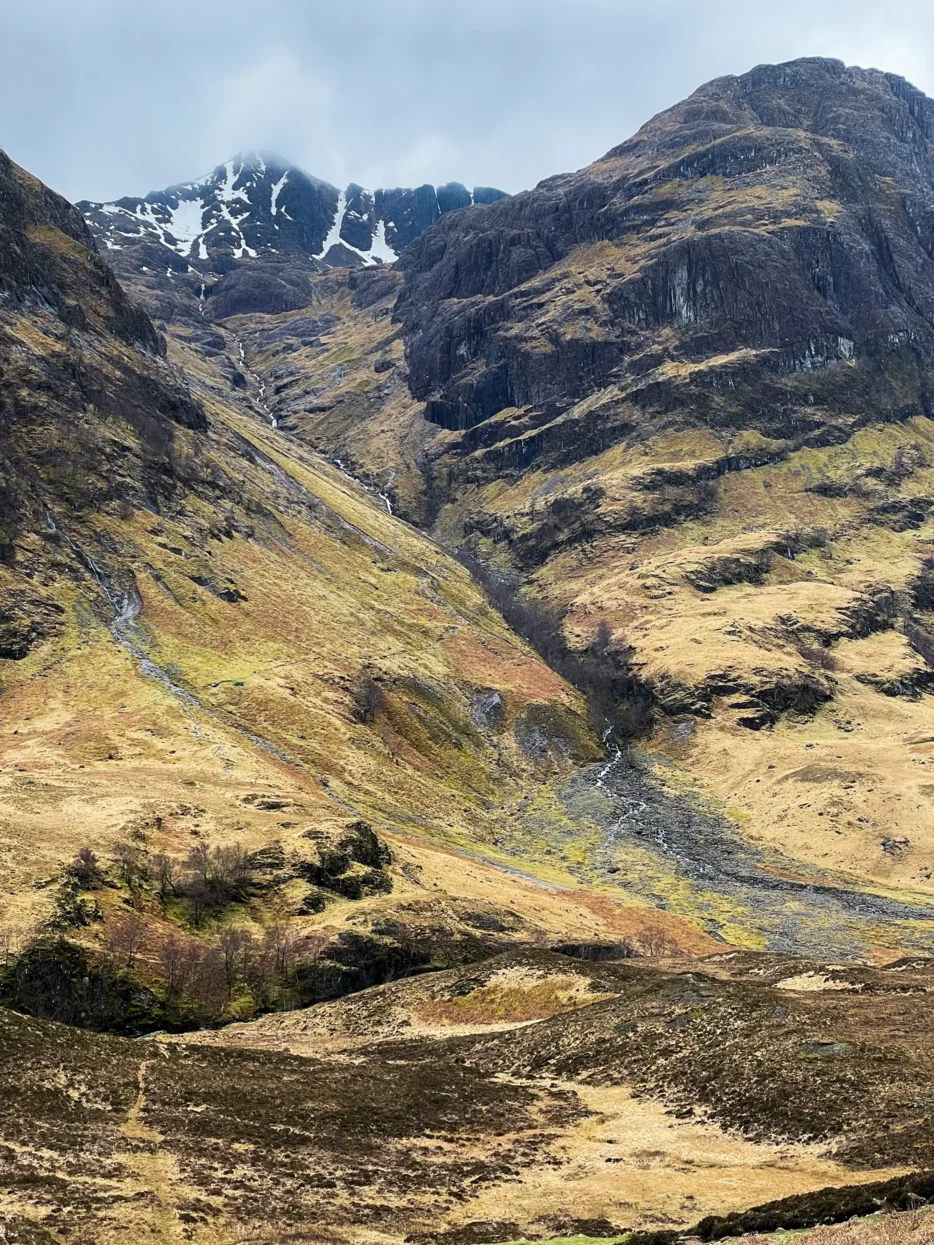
102	98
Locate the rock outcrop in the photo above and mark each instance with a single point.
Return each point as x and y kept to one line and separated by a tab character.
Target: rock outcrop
772	228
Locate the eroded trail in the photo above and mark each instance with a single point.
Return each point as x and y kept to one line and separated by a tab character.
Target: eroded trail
152	1173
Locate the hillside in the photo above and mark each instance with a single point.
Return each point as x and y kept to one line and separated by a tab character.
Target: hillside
212	637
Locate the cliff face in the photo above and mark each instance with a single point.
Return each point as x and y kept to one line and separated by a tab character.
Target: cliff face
75	354
785	212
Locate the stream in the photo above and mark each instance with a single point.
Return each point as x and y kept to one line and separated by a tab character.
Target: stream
797	908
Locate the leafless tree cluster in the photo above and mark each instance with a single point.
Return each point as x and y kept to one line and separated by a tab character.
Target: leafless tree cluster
656	941
124	940
603	671
213	877
205	980
207	879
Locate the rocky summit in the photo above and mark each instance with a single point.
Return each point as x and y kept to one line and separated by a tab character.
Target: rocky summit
465	680
255	229
258	204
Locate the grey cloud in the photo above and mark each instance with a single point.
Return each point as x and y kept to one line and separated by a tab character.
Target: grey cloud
112	97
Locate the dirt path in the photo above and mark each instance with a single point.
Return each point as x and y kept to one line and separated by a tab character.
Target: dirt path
151	1172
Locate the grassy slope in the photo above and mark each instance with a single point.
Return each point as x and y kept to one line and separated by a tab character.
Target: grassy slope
334	590
644	581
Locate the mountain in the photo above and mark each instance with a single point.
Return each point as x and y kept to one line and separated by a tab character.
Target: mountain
257	204
687	390
211	636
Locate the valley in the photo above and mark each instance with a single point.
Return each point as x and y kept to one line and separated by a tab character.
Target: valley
465	669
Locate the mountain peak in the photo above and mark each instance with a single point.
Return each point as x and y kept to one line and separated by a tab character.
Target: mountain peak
258	204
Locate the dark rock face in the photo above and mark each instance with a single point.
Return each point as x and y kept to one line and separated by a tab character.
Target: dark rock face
260	288
408	213
452	197
250	204
38	266
258	205
774	230
359	224
95	356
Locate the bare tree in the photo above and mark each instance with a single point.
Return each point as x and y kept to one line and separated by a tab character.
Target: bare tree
199	862
235	947
167	874
229	868
206	979
655	940
283	945
175	962
220	870
200	900
131	864
259	973
125	939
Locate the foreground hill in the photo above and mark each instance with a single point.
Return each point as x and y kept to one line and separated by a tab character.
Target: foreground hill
640	1097
687	390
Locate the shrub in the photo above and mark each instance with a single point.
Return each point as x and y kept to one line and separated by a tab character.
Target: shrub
369	700
86	870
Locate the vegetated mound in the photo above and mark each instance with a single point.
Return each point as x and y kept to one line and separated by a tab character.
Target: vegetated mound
502	992
573	1123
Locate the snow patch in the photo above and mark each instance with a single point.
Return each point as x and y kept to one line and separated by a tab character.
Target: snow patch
275	192
185	225
380	248
334	236
380	251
